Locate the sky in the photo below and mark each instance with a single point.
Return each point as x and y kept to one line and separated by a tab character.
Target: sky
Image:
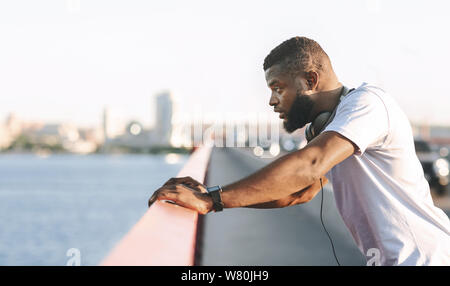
66	60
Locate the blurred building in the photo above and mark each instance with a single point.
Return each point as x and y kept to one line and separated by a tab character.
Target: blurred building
438	135
164	113
52	134
105	124
36	136
135	135
5	137
89	140
14	125
113	124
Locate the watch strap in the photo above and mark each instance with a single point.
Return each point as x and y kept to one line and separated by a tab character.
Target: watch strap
215	193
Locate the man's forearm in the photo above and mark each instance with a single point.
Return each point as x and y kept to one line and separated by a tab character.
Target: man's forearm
276	181
272	204
281	203
299	197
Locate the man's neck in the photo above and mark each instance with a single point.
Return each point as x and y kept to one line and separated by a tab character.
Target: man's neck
327	98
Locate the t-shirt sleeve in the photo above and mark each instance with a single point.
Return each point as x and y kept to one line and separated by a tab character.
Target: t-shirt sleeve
362	118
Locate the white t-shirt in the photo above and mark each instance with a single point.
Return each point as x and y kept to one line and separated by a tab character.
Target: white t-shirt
380	191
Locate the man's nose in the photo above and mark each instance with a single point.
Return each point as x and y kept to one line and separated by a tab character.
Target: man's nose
273	100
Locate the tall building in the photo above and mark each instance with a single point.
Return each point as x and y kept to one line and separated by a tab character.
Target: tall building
105	123
164	112
112	124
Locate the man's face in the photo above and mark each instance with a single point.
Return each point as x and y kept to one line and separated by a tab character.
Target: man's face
289	98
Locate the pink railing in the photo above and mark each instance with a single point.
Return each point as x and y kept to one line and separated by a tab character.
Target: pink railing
167	233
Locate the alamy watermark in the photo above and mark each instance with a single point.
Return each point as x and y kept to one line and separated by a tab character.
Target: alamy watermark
229	129
375	257
75	257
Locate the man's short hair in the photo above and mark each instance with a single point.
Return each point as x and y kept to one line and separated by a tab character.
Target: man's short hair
298	54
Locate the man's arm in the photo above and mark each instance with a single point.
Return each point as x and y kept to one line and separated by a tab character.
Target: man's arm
300	197
278	180
288	174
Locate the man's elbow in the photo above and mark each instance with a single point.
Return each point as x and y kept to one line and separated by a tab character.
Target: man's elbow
309	193
311	166
297	199
305	199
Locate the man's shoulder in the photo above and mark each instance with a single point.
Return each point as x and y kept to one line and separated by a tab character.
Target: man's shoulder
370	88
366	94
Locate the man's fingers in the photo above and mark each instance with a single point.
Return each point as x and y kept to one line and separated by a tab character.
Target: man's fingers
166	193
181	180
181	195
187	181
152	199
169	182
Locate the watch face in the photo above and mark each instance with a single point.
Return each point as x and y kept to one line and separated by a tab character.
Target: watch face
212	189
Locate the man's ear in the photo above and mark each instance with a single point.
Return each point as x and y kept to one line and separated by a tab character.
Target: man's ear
312	78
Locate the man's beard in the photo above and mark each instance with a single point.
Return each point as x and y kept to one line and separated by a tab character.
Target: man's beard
298	115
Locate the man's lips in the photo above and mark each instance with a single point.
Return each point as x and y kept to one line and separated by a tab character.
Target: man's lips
282	114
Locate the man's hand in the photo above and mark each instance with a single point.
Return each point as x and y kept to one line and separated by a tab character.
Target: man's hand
187	181
185	192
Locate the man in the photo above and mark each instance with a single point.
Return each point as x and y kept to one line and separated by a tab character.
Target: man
367	152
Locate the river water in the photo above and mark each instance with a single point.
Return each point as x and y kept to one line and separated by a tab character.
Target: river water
49	205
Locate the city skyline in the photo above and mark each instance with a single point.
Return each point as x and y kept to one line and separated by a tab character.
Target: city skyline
65	61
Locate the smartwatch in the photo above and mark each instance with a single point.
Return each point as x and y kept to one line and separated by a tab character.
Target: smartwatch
215	193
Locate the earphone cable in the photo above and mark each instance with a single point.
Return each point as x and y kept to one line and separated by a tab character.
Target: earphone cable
321	219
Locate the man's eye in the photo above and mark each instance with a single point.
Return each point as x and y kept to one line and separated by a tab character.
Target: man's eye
277	89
